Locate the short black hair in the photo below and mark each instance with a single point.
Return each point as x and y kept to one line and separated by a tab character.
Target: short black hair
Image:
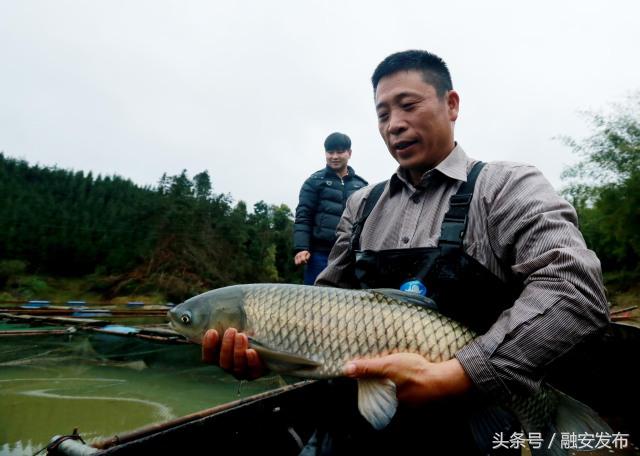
337	141
434	70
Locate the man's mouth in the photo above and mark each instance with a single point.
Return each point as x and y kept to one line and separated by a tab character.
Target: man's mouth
403	148
402	145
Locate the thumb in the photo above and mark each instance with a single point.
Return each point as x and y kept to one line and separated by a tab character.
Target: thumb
364	368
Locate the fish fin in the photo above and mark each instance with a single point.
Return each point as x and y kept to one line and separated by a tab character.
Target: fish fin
281	361
572	417
377	401
577	418
407	296
486	423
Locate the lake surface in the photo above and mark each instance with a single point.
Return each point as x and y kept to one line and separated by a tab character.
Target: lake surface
50	385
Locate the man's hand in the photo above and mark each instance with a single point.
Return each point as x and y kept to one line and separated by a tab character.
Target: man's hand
417	380
232	354
302	257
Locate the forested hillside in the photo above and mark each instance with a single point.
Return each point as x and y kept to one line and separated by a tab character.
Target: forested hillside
178	238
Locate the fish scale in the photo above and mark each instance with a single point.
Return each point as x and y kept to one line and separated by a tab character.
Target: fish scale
296	319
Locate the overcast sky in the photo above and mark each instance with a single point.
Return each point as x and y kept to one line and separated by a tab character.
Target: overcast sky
248	90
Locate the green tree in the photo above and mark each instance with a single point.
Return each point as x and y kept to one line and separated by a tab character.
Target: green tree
202	184
605	186
283	240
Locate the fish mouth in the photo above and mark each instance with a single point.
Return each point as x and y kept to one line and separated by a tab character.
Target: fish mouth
175	327
194	337
171	321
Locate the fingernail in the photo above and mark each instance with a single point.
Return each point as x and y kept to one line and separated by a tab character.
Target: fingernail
350	369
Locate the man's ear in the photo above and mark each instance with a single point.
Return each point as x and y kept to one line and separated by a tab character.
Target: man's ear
453	103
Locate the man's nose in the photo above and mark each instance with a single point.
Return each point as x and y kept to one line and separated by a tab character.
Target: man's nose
397	123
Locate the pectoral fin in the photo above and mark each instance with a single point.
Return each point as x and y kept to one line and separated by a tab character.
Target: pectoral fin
281	361
377	401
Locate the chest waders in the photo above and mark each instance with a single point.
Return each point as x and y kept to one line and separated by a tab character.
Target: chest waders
462	288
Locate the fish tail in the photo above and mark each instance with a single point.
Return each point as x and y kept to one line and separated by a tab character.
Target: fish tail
487	423
572	417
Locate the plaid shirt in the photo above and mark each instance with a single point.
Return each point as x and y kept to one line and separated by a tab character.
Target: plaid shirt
519	228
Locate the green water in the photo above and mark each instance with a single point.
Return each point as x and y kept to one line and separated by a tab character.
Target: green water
52	384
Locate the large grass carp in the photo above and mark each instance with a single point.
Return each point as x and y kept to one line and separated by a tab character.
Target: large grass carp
312	332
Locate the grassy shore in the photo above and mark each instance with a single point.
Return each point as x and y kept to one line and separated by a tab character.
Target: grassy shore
61	290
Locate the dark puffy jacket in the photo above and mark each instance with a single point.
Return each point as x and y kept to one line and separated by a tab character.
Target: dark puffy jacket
322	200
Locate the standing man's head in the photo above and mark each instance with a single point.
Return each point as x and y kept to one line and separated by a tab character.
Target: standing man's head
416	107
337	151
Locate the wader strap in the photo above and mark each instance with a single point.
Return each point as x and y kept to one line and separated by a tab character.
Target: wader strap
369	204
455	220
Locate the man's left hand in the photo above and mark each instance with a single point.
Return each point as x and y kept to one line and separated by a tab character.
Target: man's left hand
302	257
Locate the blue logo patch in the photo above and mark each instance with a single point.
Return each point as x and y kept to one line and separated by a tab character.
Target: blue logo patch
414	286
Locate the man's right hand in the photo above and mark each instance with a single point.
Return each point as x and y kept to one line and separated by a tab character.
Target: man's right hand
302	257
232	354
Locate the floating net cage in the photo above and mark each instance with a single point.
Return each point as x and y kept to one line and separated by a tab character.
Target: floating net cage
101	381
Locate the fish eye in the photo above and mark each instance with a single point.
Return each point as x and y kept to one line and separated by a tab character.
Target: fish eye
186	318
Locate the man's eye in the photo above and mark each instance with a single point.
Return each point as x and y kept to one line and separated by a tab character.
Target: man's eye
408	106
383	116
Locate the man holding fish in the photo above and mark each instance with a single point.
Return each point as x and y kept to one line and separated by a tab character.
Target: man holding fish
491	244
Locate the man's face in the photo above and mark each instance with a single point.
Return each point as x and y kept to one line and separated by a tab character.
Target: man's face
337	159
415	124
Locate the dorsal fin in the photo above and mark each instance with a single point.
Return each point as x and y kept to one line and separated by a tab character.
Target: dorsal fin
407	296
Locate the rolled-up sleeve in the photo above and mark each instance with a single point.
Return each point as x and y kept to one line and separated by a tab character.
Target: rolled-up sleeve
535	231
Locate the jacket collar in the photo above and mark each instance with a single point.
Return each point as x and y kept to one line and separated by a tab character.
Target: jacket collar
328	172
454	166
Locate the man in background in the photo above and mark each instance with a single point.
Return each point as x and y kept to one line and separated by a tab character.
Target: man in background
322	200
